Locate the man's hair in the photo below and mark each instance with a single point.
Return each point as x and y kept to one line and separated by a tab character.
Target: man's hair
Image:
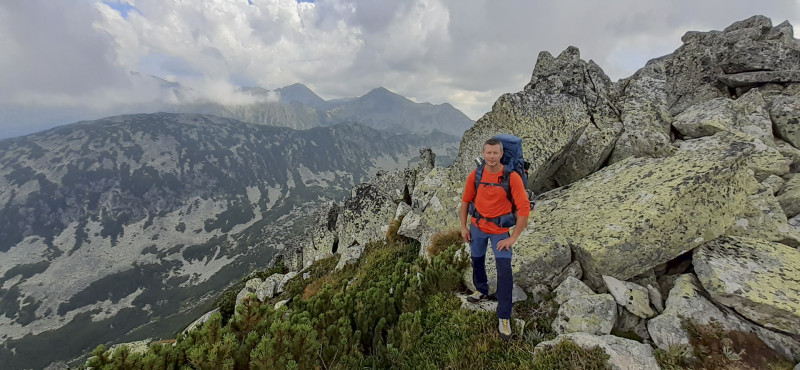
494	141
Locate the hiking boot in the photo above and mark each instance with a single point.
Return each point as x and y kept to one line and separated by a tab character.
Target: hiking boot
476	297
505	329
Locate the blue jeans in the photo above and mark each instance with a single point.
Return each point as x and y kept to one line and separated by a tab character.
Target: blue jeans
505	280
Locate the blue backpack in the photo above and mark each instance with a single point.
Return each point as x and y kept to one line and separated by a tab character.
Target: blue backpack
512	161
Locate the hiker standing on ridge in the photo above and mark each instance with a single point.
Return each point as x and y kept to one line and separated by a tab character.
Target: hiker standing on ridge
491	201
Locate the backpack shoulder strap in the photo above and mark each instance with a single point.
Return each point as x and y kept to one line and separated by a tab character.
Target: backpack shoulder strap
478	177
506	183
473	211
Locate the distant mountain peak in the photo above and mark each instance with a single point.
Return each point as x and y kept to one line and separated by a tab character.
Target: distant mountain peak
381	94
382	91
297	88
296	85
299	93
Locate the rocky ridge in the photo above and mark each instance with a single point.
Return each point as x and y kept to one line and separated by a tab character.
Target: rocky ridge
677	182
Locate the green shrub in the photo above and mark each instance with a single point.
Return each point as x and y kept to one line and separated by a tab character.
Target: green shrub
289	344
673	359
445	270
100	358
392	309
317	270
539	316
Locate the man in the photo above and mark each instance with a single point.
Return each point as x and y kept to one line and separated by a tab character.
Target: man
491	202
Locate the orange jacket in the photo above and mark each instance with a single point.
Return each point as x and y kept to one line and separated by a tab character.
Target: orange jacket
492	201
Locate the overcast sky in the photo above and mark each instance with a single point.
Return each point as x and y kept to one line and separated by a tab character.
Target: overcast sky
65	60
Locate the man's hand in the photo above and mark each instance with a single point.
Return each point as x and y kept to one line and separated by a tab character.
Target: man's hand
506	243
465	235
522	223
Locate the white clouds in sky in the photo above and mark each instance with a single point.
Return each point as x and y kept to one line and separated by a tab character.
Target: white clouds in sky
79	55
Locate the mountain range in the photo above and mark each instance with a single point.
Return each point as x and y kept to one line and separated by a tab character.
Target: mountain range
119	222
296	106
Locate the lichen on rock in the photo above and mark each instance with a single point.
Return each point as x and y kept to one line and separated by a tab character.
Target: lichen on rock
789	196
638	213
571	288
687	302
759	279
363	216
635	298
593	314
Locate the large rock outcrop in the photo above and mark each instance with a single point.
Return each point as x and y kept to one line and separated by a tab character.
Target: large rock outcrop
747	114
565	95
638	213
588	154
644	112
322	240
364	216
763	218
569	74
399	184
763	159
435	203
747	54
549	125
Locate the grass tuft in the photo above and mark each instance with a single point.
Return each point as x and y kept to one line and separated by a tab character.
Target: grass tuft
444	239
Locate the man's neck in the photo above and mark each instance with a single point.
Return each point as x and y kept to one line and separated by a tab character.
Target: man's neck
494	169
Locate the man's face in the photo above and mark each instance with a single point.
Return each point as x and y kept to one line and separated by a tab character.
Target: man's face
492	154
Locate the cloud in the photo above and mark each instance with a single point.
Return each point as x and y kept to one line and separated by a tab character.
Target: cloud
81	54
54	50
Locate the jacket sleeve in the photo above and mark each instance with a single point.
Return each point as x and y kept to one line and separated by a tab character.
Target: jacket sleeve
469	188
519	195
